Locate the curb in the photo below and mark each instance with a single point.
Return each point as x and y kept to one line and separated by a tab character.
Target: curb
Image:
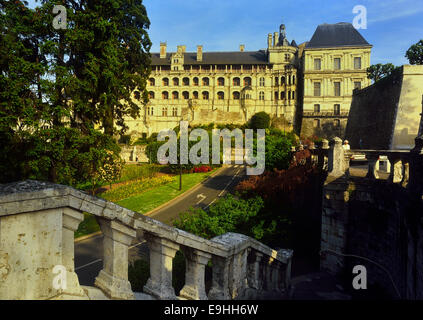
88	236
198	185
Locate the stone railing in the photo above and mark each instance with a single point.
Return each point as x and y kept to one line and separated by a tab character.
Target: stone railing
37	225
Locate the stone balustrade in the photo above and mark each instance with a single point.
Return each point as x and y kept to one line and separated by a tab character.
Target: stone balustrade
37	224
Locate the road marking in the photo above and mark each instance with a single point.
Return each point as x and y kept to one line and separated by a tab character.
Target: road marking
202	196
88	264
227	185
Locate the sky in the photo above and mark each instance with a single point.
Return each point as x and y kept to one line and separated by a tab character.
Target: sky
222	25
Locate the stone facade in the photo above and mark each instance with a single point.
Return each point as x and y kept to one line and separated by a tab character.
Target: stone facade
230	87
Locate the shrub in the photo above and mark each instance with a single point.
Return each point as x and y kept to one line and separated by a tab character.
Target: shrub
260	120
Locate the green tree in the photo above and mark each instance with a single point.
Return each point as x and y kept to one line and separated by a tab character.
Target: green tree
415	53
260	120
378	71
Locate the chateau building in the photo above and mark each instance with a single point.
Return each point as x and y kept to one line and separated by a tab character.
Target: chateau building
230	87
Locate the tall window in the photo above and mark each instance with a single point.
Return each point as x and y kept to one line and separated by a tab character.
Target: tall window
337	63
205	95
337	109
357	63
317	89
165	95
317	108
152	82
151	95
317	64
261	95
164	111
282	80
165	81
236	82
337	88
293	79
247	81
195	81
175	95
175	81
185	81
357	84
287	56
205	81
150	111
316	123
185	95
195	95
282	95
221	82
276	81
235	95
175	111
261	82
293	95
276	95
220	95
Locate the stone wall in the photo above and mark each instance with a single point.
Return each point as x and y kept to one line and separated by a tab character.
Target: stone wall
386	115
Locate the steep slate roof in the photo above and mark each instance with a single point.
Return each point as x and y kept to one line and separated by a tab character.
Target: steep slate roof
341	34
236	57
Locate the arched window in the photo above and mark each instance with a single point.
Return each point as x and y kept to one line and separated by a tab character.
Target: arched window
152	81
289	95
205	95
195	81
165	95
175	81
235	95
261	95
175	111
205	81
236	82
175	95
221	81
151	95
261	82
276	81
137	95
185	81
164	111
293	95
195	95
220	95
247	81
185	95
282	95
165	81
277	95
293	79
282	80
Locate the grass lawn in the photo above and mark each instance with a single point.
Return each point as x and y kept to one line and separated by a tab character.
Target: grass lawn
152	198
146	200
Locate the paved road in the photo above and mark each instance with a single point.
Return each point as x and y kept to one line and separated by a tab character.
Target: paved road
89	253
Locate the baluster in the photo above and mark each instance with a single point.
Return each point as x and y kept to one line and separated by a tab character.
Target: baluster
162	252
406	172
113	278
194	276
395	176
372	166
255	279
220	279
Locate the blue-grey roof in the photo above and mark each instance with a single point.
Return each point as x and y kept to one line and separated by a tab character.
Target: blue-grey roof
341	34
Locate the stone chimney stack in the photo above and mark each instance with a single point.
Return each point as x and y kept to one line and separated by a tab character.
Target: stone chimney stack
241	47
199	53
163	46
269	40
276	39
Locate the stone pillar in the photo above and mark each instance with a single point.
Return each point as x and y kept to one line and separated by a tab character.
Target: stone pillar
336	159
220	279
196	261
373	160
255	278
406	173
238	274
113	279
71	221
395	175
162	252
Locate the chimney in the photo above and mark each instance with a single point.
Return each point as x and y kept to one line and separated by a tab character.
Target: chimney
276	38
180	49
269	40
163	50
199	53
241	47
184	48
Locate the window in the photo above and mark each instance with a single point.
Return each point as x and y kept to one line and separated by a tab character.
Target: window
357	84
337	109
317	89
195	81
205	81
195	95
164	112
289	80
293	95
287	57
337	63
247	96
165	81
205	95
175	95
317	64
276	81
165	95
316	123
151	95
236	82
175	81
137	95
336	123
220	82
317	108
282	95
235	95
357	63
185	95
152	82
293	79
220	95
289	95
282	80
277	95
261	95
247	81
337	89
185	81
261	82
175	111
